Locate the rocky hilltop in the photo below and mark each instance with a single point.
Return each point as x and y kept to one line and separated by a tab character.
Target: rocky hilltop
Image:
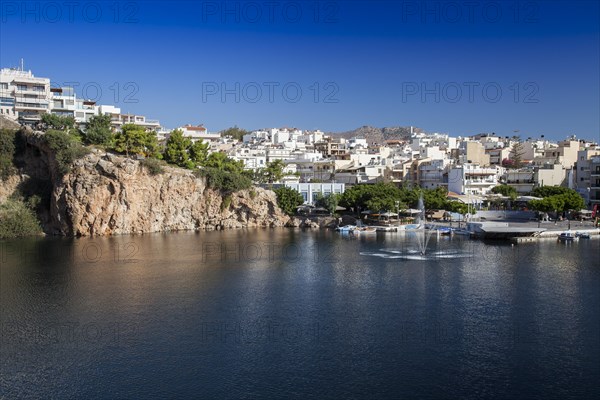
379	135
107	194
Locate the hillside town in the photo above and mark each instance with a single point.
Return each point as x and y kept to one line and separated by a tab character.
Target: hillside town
316	163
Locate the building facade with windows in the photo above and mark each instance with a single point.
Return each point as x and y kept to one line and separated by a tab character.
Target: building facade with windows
23	96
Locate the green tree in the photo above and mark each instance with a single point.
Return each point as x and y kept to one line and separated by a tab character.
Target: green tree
288	199
235	132
329	201
569	199
548	204
274	171
573	201
516	154
505	190
177	149
57	122
98	130
199	152
220	160
134	139
547	191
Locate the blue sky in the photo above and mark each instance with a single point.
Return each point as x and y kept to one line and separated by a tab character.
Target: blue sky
461	67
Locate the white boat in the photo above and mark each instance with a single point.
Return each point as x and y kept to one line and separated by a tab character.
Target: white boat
567	237
583	235
367	230
347	228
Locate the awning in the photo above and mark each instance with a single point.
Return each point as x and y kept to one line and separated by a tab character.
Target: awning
527	198
410	211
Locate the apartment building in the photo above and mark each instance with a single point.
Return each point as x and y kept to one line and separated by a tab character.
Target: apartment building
23	96
199	132
587	174
473	179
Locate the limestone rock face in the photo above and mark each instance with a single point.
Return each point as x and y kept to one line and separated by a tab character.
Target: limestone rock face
107	194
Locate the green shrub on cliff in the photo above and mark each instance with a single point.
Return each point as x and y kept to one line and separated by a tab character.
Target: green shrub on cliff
7	150
224	180
154	166
66	147
17	220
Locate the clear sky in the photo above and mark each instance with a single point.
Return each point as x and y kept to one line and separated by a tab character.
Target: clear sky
460	67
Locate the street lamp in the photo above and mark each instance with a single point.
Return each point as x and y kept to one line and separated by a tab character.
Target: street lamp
398	211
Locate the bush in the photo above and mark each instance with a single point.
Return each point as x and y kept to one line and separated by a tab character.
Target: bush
17	220
154	166
252	194
7	151
226	202
223	180
66	149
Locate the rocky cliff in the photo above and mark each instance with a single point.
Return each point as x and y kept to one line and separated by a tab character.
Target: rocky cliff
107	194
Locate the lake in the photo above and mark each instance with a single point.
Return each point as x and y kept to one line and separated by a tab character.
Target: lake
284	313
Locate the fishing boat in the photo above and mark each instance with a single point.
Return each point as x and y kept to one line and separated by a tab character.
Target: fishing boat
583	235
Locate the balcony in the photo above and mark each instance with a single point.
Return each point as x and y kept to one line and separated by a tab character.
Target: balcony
30	106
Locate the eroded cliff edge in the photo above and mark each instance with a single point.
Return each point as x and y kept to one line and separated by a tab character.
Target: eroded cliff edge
106	194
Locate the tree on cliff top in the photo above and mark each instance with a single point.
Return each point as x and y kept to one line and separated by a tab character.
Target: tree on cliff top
134	139
176	151
98	130
180	150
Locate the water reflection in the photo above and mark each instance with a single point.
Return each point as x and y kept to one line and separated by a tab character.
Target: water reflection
263	313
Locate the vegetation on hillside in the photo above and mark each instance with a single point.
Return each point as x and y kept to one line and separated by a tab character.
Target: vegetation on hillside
7	150
18	220
67	148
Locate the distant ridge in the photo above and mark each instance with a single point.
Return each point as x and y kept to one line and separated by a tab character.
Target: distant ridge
378	135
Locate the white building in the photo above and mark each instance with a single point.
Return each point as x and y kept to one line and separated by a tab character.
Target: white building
23	96
199	132
471	179
310	191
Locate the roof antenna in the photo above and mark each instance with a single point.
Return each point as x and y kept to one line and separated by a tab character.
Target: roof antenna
22	67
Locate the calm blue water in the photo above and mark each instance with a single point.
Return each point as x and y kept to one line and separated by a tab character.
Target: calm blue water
292	314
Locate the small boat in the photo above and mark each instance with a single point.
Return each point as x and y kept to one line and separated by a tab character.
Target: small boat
566	237
347	228
583	235
444	231
366	230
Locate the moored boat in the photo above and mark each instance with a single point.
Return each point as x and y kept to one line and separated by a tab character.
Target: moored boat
566	237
